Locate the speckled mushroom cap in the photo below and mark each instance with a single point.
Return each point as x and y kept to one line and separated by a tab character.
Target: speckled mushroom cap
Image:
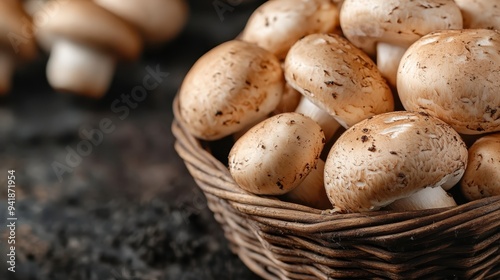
455	76
157	20
391	156
277	25
397	22
276	155
87	23
337	77
14	24
482	177
229	88
480	13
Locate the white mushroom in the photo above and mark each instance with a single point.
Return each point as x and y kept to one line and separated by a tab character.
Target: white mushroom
454	75
388	27
338	78
229	88
482	177
276	25
393	156
276	155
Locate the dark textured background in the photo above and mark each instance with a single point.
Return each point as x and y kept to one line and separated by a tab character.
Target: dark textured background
129	210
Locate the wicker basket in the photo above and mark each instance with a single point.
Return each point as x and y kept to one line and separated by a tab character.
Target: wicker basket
280	240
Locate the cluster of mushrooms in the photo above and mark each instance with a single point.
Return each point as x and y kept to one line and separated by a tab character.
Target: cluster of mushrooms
356	105
85	38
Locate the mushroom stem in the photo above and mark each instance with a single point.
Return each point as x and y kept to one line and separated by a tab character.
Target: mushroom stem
311	192
325	121
80	69
388	58
6	71
427	198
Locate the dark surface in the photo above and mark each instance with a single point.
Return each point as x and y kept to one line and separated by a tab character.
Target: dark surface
129	209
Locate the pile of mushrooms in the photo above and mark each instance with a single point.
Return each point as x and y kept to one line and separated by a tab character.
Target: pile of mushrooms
350	61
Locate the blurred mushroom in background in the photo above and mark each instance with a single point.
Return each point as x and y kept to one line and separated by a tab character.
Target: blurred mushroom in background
15	45
83	52
87	38
158	21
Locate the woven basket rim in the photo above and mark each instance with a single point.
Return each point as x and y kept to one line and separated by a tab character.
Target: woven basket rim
187	143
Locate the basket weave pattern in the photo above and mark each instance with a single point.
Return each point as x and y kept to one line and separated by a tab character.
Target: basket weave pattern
281	240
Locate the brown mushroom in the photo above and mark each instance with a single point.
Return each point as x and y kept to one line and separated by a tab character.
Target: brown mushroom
277	155
454	75
229	88
15	45
392	156
338	78
482	177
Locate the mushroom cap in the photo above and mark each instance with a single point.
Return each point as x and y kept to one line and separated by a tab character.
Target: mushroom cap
229	88
366	22
480	13
482	177
87	23
277	25
338	78
13	23
391	156
157	20
277	154
455	76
